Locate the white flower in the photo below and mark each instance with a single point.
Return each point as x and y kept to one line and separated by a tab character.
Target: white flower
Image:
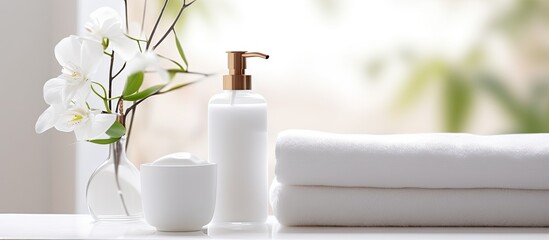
147	61
79	58
105	26
48	118
86	124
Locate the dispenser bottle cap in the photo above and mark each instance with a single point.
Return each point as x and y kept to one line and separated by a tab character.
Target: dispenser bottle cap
237	78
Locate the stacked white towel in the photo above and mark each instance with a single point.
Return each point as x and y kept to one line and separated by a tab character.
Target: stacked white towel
411	179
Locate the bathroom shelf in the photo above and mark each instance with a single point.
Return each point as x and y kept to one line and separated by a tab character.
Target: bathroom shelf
81	226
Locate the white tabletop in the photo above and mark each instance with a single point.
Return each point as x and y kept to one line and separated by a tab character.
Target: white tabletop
29	226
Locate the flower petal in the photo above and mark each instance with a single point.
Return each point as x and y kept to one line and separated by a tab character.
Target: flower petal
67	52
111	28
63	122
72	118
79	55
71	90
137	64
45	121
82	92
83	133
124	47
164	75
90	56
143	62
103	14
54	91
100	123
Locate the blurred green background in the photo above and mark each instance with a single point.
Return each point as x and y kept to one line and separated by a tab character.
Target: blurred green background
353	66
524	27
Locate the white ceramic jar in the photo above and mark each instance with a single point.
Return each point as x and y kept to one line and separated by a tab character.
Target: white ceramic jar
178	196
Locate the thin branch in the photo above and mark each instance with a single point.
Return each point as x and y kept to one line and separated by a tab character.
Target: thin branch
185	5
117	146
126	13
156	24
175	88
119	71
117	150
143	17
135	39
133	106
111	78
103	97
102	88
203	74
113	98
191	3
121	111
121	117
139	45
128	134
186	72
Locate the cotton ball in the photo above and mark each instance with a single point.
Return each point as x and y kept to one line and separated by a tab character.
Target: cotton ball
180	158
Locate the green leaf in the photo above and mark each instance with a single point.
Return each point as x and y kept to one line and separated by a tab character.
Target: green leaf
457	101
526	120
143	94
117	130
104	141
133	83
178	86
180	50
173	72
174	62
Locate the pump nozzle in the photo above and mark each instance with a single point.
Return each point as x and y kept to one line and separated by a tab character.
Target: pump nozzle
237	78
255	54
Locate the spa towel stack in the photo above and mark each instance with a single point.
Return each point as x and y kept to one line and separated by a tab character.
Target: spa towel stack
441	179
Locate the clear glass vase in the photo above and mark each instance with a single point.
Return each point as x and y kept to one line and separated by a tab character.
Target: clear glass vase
114	192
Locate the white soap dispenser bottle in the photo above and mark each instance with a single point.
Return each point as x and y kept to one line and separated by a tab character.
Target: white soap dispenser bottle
237	142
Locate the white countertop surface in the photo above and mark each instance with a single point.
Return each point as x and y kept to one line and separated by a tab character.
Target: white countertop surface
70	226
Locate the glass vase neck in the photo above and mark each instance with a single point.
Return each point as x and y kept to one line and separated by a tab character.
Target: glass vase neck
118	149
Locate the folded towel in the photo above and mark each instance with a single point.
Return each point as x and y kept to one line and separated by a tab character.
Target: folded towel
439	160
345	206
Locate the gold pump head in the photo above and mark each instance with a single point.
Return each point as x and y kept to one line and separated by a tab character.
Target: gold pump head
237	78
